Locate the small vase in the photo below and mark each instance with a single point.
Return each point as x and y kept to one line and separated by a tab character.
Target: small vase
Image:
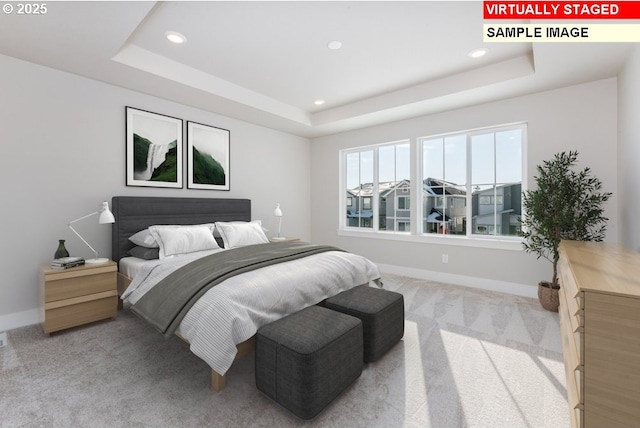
61	251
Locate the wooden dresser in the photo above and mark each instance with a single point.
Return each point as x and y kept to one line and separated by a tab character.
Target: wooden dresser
600	325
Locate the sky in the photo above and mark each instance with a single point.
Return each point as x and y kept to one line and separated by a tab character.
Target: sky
210	140
157	131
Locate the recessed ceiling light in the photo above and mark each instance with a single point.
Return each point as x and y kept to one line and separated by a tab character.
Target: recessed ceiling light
318	102
334	45
175	37
478	53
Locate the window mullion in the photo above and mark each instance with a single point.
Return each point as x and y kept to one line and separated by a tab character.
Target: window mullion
495	187
415	191
375	194
468	186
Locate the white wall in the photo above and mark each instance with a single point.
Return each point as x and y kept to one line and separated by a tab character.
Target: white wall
63	153
629	150
581	117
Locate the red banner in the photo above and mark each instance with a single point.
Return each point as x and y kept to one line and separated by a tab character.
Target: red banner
561	10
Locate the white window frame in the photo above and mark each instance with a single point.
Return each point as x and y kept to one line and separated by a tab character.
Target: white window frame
471	239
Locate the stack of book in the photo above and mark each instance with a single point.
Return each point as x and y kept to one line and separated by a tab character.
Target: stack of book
67	262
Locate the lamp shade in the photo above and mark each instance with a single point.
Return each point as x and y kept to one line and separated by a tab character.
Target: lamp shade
106	216
277	212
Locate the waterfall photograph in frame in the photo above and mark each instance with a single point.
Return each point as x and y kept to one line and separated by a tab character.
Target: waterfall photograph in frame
207	157
154	149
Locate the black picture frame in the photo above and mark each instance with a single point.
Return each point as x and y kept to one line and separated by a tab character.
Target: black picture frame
208	157
154	149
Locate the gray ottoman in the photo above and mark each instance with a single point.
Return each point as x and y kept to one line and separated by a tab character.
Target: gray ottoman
305	360
382	315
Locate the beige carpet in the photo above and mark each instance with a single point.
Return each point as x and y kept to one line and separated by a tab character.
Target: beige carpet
469	358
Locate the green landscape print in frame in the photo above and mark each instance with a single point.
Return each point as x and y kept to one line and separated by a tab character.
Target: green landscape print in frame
207	157
154	149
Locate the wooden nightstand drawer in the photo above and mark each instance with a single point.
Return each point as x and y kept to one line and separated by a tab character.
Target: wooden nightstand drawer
81	313
66	288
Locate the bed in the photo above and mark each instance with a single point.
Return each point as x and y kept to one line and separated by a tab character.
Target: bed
216	312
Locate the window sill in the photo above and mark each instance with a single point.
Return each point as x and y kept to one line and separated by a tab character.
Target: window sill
498	243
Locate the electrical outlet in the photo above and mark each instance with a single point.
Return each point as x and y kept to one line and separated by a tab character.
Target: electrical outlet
445	258
3	339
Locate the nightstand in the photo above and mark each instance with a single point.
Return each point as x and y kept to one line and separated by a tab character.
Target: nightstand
284	239
76	296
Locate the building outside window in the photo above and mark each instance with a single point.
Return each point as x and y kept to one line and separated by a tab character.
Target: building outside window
470	183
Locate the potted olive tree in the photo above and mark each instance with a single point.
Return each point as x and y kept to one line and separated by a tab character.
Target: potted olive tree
567	204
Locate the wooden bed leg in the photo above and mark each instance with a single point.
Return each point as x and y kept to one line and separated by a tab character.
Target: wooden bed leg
218	381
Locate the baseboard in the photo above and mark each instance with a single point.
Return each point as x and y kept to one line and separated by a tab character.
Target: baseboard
19	319
465	281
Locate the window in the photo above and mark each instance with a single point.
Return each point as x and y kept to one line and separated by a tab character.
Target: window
468	183
473	182
404	202
444	176
359	180
496	180
377	176
490	200
349	201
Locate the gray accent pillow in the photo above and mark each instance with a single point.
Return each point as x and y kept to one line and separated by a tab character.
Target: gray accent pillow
144	239
145	253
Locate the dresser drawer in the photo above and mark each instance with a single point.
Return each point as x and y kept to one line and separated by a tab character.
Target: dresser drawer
574	297
578	415
572	363
571	329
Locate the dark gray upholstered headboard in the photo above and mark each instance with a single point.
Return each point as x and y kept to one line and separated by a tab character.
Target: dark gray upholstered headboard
134	213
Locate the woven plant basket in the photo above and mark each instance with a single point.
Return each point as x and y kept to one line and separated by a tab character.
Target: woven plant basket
548	297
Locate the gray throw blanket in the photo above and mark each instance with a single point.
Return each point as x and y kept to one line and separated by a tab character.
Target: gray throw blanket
168	302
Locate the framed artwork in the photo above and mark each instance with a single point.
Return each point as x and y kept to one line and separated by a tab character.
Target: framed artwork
207	157
154	149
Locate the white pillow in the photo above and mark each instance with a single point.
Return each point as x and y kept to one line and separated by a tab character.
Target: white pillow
144	239
174	240
216	231
238	234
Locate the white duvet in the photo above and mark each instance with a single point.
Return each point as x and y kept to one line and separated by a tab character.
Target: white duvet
232	311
